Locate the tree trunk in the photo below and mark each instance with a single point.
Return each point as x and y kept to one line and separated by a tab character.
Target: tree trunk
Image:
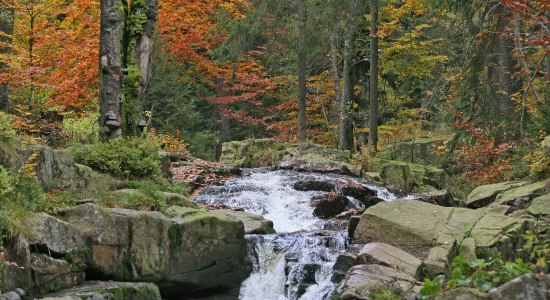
335	114
302	70
110	63
225	126
7	16
503	73
373	89
345	123
138	46
126	44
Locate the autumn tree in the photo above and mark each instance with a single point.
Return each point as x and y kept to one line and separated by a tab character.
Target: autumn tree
7	14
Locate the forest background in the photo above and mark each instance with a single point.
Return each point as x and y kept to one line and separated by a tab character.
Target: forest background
472	72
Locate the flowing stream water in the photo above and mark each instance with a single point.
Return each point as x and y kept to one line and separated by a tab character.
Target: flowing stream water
297	261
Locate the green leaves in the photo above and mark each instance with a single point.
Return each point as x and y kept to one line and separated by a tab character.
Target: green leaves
482	274
485	274
124	157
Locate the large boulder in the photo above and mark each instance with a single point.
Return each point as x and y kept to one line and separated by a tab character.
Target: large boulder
364	282
410	177
485	194
417	227
419	151
252	153
441	198
104	290
301	157
524	287
51	275
521	197
253	224
314	185
328	205
57	170
184	251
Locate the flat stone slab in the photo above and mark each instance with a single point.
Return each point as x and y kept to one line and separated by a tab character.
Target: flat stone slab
101	290
364	280
485	194
540	205
388	255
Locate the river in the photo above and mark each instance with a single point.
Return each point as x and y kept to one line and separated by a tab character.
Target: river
296	262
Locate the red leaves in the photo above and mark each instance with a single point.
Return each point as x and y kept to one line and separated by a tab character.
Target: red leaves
482	159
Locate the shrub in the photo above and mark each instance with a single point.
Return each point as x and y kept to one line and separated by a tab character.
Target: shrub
539	164
81	129
19	194
123	157
7	134
536	249
482	274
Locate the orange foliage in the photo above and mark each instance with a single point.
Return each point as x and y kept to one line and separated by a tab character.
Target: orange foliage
483	160
55	50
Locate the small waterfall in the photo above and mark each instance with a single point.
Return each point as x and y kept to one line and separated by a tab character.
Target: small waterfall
297	261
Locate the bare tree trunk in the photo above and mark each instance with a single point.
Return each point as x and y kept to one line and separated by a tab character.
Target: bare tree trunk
110	63
137	47
302	70
225	126
373	107
335	69
126	44
335	114
345	123
7	17
503	72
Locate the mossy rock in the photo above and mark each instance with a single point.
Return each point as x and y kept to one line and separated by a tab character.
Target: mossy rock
540	205
418	151
267	152
410	177
169	198
485	194
414	226
109	290
523	195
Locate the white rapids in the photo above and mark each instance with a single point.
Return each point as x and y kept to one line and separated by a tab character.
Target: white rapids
297	261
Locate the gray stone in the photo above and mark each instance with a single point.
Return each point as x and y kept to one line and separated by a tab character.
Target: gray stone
521	197
345	261
524	287
410	177
328	205
98	290
440	255
52	275
414	226
253	224
419	151
191	250
10	296
390	256
440	197
540	205
364	280
56	169
485	194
